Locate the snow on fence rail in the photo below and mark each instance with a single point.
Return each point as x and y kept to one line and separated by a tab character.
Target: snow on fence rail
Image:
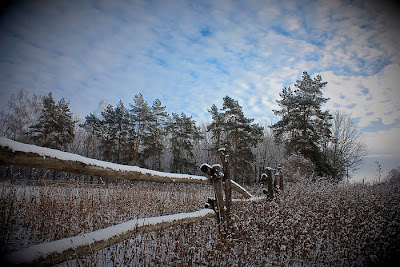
51	253
16	153
58	251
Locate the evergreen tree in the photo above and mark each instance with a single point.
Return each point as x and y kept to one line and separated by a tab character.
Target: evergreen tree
153	142
55	128
65	126
141	117
217	127
238	134
108	132
93	126
303	125
113	130
184	133
123	131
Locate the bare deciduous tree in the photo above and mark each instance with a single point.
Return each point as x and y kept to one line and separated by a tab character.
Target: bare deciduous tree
23	110
347	149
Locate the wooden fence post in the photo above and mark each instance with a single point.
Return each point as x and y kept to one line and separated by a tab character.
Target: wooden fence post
270	180
219	191
216	181
280	177
228	187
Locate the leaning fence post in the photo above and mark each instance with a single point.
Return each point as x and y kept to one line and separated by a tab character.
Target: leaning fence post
215	174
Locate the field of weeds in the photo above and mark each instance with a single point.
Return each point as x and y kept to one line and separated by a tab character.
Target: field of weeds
32	214
315	224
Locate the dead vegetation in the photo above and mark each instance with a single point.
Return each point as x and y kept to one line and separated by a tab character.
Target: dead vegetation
310	224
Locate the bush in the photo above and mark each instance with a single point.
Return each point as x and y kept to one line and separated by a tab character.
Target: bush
298	168
394	175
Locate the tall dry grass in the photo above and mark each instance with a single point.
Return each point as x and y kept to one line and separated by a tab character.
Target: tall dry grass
31	214
310	224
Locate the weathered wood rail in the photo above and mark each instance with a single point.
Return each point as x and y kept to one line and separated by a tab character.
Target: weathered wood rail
16	153
51	253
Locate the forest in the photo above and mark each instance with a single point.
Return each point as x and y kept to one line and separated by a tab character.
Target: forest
145	135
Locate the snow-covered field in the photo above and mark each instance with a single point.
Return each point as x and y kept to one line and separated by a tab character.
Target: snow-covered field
310	224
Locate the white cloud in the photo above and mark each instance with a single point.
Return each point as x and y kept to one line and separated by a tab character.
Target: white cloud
371	99
384	143
385	92
115	46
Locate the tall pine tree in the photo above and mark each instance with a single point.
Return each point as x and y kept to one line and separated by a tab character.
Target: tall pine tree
123	131
184	133
55	128
238	134
92	125
153	141
114	132
140	118
303	125
108	132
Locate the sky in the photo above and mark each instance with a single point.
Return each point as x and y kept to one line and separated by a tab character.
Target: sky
190	54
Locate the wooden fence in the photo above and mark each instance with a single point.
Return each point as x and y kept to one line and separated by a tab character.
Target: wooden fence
15	153
50	253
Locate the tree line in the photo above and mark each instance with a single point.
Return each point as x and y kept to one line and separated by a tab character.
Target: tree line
146	135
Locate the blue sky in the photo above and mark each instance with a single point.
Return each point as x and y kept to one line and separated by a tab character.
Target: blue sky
190	54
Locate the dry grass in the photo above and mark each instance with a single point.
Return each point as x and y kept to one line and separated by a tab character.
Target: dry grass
310	224
32	214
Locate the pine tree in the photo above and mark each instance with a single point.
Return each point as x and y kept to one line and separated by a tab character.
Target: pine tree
184	133
303	125
216	127
123	131
113	130
65	125
93	126
238	134
108	132
153	142
140	118
55	128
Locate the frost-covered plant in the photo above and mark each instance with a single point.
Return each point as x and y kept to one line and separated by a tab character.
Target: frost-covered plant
394	175
309	224
297	168
32	214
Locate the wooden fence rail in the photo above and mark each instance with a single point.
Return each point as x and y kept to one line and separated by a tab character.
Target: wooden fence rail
51	253
15	153
58	251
